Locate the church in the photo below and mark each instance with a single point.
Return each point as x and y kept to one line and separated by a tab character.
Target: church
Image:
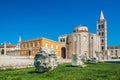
81	41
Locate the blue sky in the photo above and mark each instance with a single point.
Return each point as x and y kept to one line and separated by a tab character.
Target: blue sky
51	18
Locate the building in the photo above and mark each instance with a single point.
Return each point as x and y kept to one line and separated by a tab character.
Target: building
114	52
32	46
6	48
102	31
80	42
10	49
83	42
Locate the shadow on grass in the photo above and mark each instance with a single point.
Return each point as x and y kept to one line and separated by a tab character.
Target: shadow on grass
34	72
71	66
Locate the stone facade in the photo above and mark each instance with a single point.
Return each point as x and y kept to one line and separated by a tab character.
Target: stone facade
80	42
32	46
114	52
102	32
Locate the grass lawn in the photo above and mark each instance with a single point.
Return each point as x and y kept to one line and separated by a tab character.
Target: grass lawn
99	71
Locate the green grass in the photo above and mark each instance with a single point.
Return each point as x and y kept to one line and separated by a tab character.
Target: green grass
99	71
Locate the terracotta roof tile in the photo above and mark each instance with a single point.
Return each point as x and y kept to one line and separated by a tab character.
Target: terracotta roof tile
8	45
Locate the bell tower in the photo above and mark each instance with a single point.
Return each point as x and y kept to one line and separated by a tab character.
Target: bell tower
19	40
102	31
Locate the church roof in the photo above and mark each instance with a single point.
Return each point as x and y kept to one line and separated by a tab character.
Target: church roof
81	29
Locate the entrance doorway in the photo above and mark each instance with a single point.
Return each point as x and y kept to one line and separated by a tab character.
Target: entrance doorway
63	52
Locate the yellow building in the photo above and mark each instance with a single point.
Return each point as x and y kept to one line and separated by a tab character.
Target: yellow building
31	47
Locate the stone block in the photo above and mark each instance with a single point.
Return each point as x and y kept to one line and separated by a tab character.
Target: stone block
45	60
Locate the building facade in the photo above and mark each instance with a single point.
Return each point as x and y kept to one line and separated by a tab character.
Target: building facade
80	42
32	46
114	52
10	49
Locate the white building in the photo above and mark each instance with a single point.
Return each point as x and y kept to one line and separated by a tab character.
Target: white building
10	49
114	52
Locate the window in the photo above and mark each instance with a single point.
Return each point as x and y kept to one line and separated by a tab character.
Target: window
111	51
60	40
116	51
56	46
102	48
102	41
102	33
46	44
102	26
91	37
99	26
63	40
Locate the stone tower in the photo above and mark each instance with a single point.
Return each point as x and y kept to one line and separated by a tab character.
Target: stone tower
102	31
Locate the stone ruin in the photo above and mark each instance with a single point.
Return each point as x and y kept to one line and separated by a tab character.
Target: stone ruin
93	60
78	60
45	60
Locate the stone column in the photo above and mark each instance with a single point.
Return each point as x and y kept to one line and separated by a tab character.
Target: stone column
78	44
5	48
75	42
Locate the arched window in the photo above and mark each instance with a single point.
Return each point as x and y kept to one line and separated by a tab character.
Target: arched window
63	40
60	40
102	41
102	26
102	48
102	33
98	26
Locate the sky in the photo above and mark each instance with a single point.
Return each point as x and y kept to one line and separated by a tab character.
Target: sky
52	18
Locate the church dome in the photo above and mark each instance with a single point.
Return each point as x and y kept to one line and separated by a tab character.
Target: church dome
81	29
